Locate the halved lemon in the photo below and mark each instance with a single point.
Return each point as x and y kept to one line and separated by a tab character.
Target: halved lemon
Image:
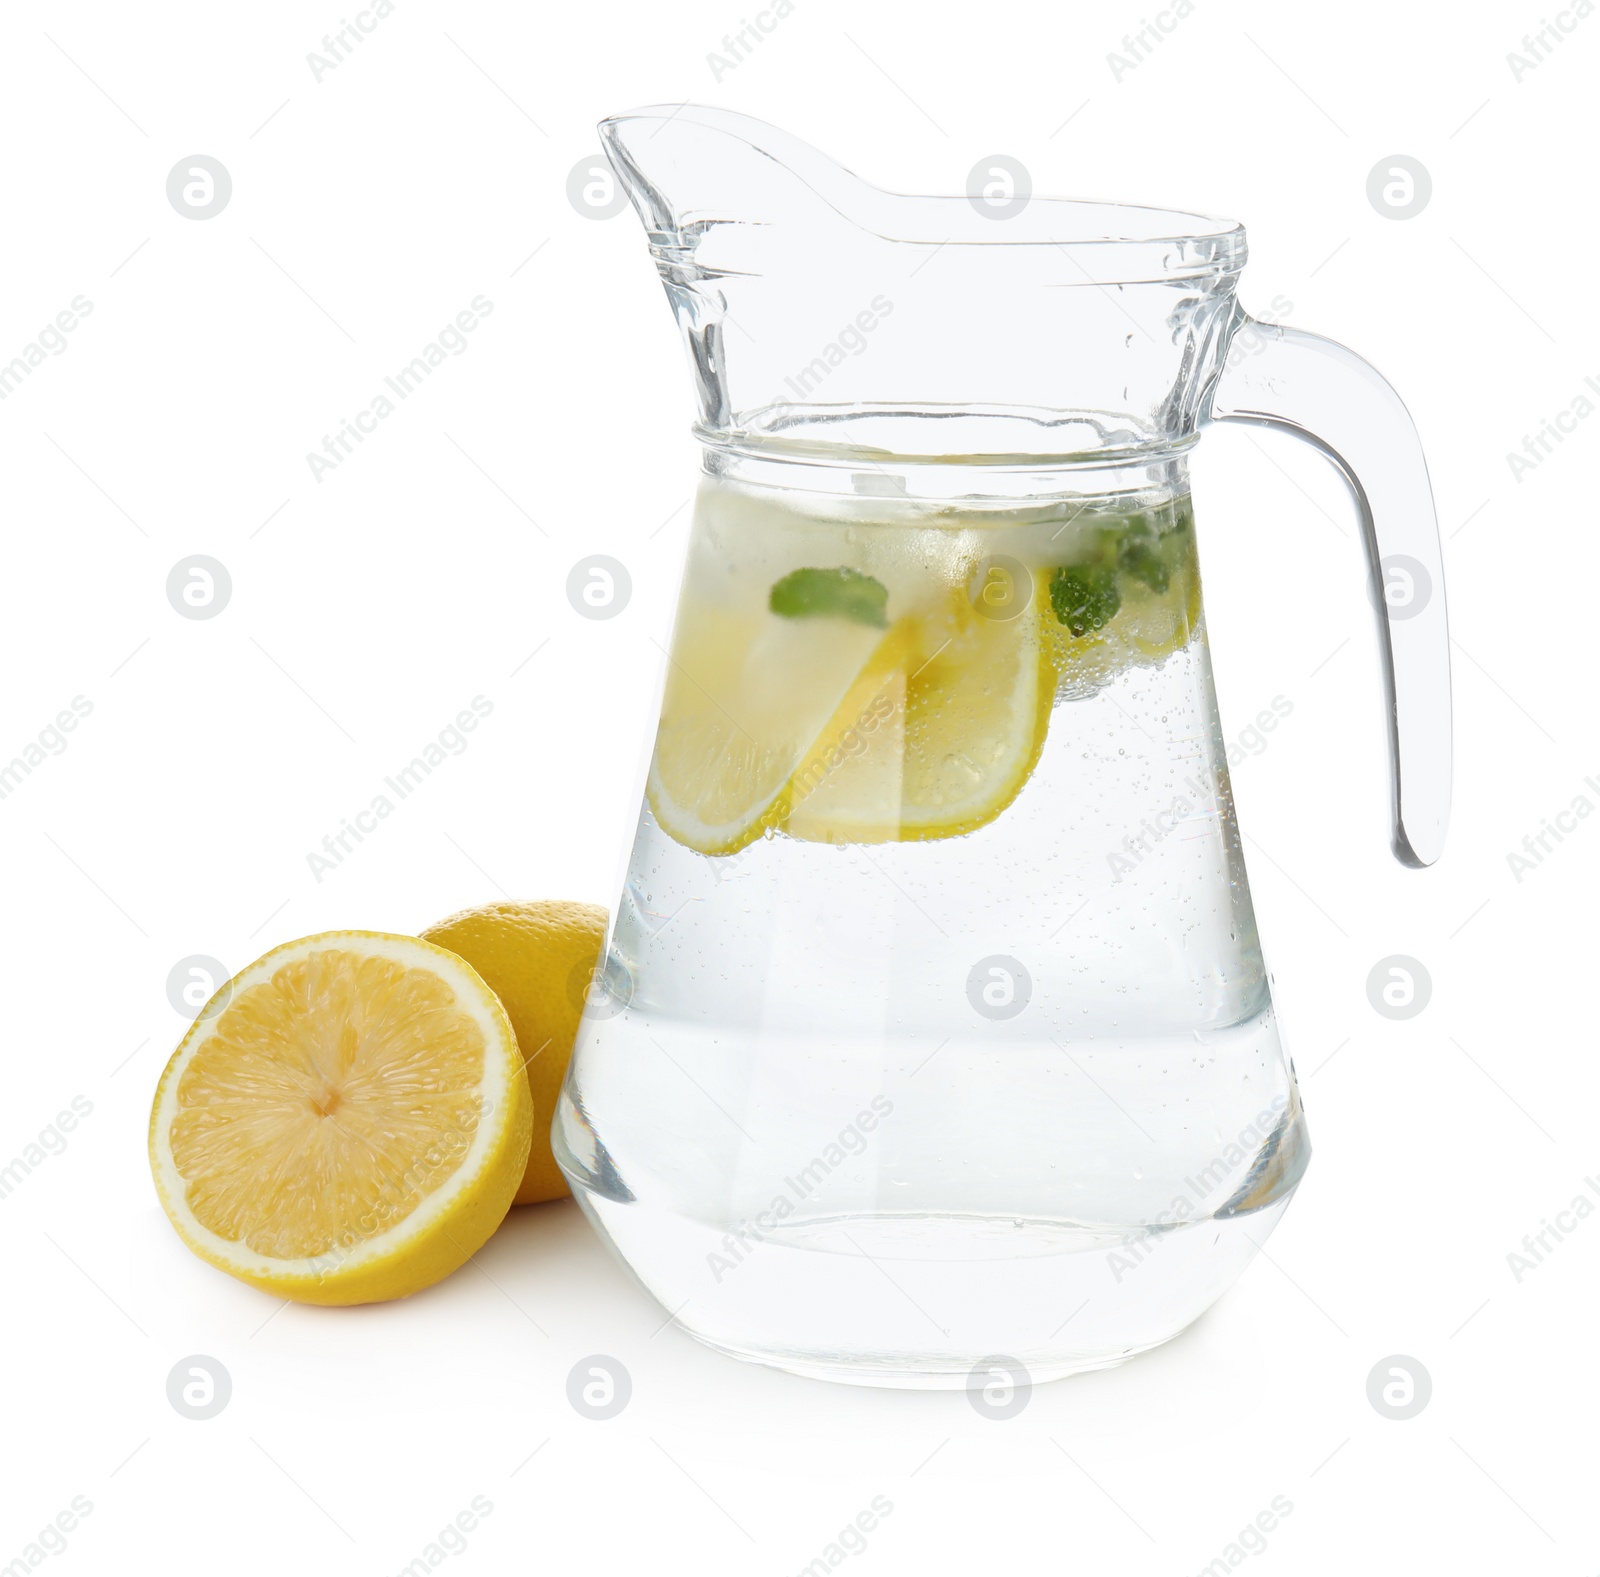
939	734
347	1121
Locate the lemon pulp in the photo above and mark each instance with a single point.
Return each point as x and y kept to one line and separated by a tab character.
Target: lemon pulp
346	1121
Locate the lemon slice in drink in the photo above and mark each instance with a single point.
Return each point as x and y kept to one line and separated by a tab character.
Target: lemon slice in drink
938	736
747	694
347	1121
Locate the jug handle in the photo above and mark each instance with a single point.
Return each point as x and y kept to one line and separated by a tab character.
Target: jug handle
1320	391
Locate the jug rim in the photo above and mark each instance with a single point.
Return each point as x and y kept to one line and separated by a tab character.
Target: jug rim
1190	242
805	436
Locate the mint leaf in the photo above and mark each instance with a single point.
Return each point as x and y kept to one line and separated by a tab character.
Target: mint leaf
831	593
1085	596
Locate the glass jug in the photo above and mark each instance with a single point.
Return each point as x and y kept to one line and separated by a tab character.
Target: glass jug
933	1033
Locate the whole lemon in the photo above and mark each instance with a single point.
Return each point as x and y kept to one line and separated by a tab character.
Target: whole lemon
538	959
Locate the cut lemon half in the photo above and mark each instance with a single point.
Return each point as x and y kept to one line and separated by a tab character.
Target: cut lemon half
747	694
937	737
346	1122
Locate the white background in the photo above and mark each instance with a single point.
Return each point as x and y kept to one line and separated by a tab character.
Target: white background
370	207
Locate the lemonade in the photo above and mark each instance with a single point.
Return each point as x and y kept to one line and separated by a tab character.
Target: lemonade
934	1022
872	675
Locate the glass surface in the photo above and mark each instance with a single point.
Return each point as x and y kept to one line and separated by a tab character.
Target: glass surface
933	1027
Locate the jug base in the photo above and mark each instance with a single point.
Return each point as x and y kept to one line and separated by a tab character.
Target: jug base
929	1300
918	1374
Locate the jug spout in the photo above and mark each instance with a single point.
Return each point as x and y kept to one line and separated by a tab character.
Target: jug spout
687	166
823	313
